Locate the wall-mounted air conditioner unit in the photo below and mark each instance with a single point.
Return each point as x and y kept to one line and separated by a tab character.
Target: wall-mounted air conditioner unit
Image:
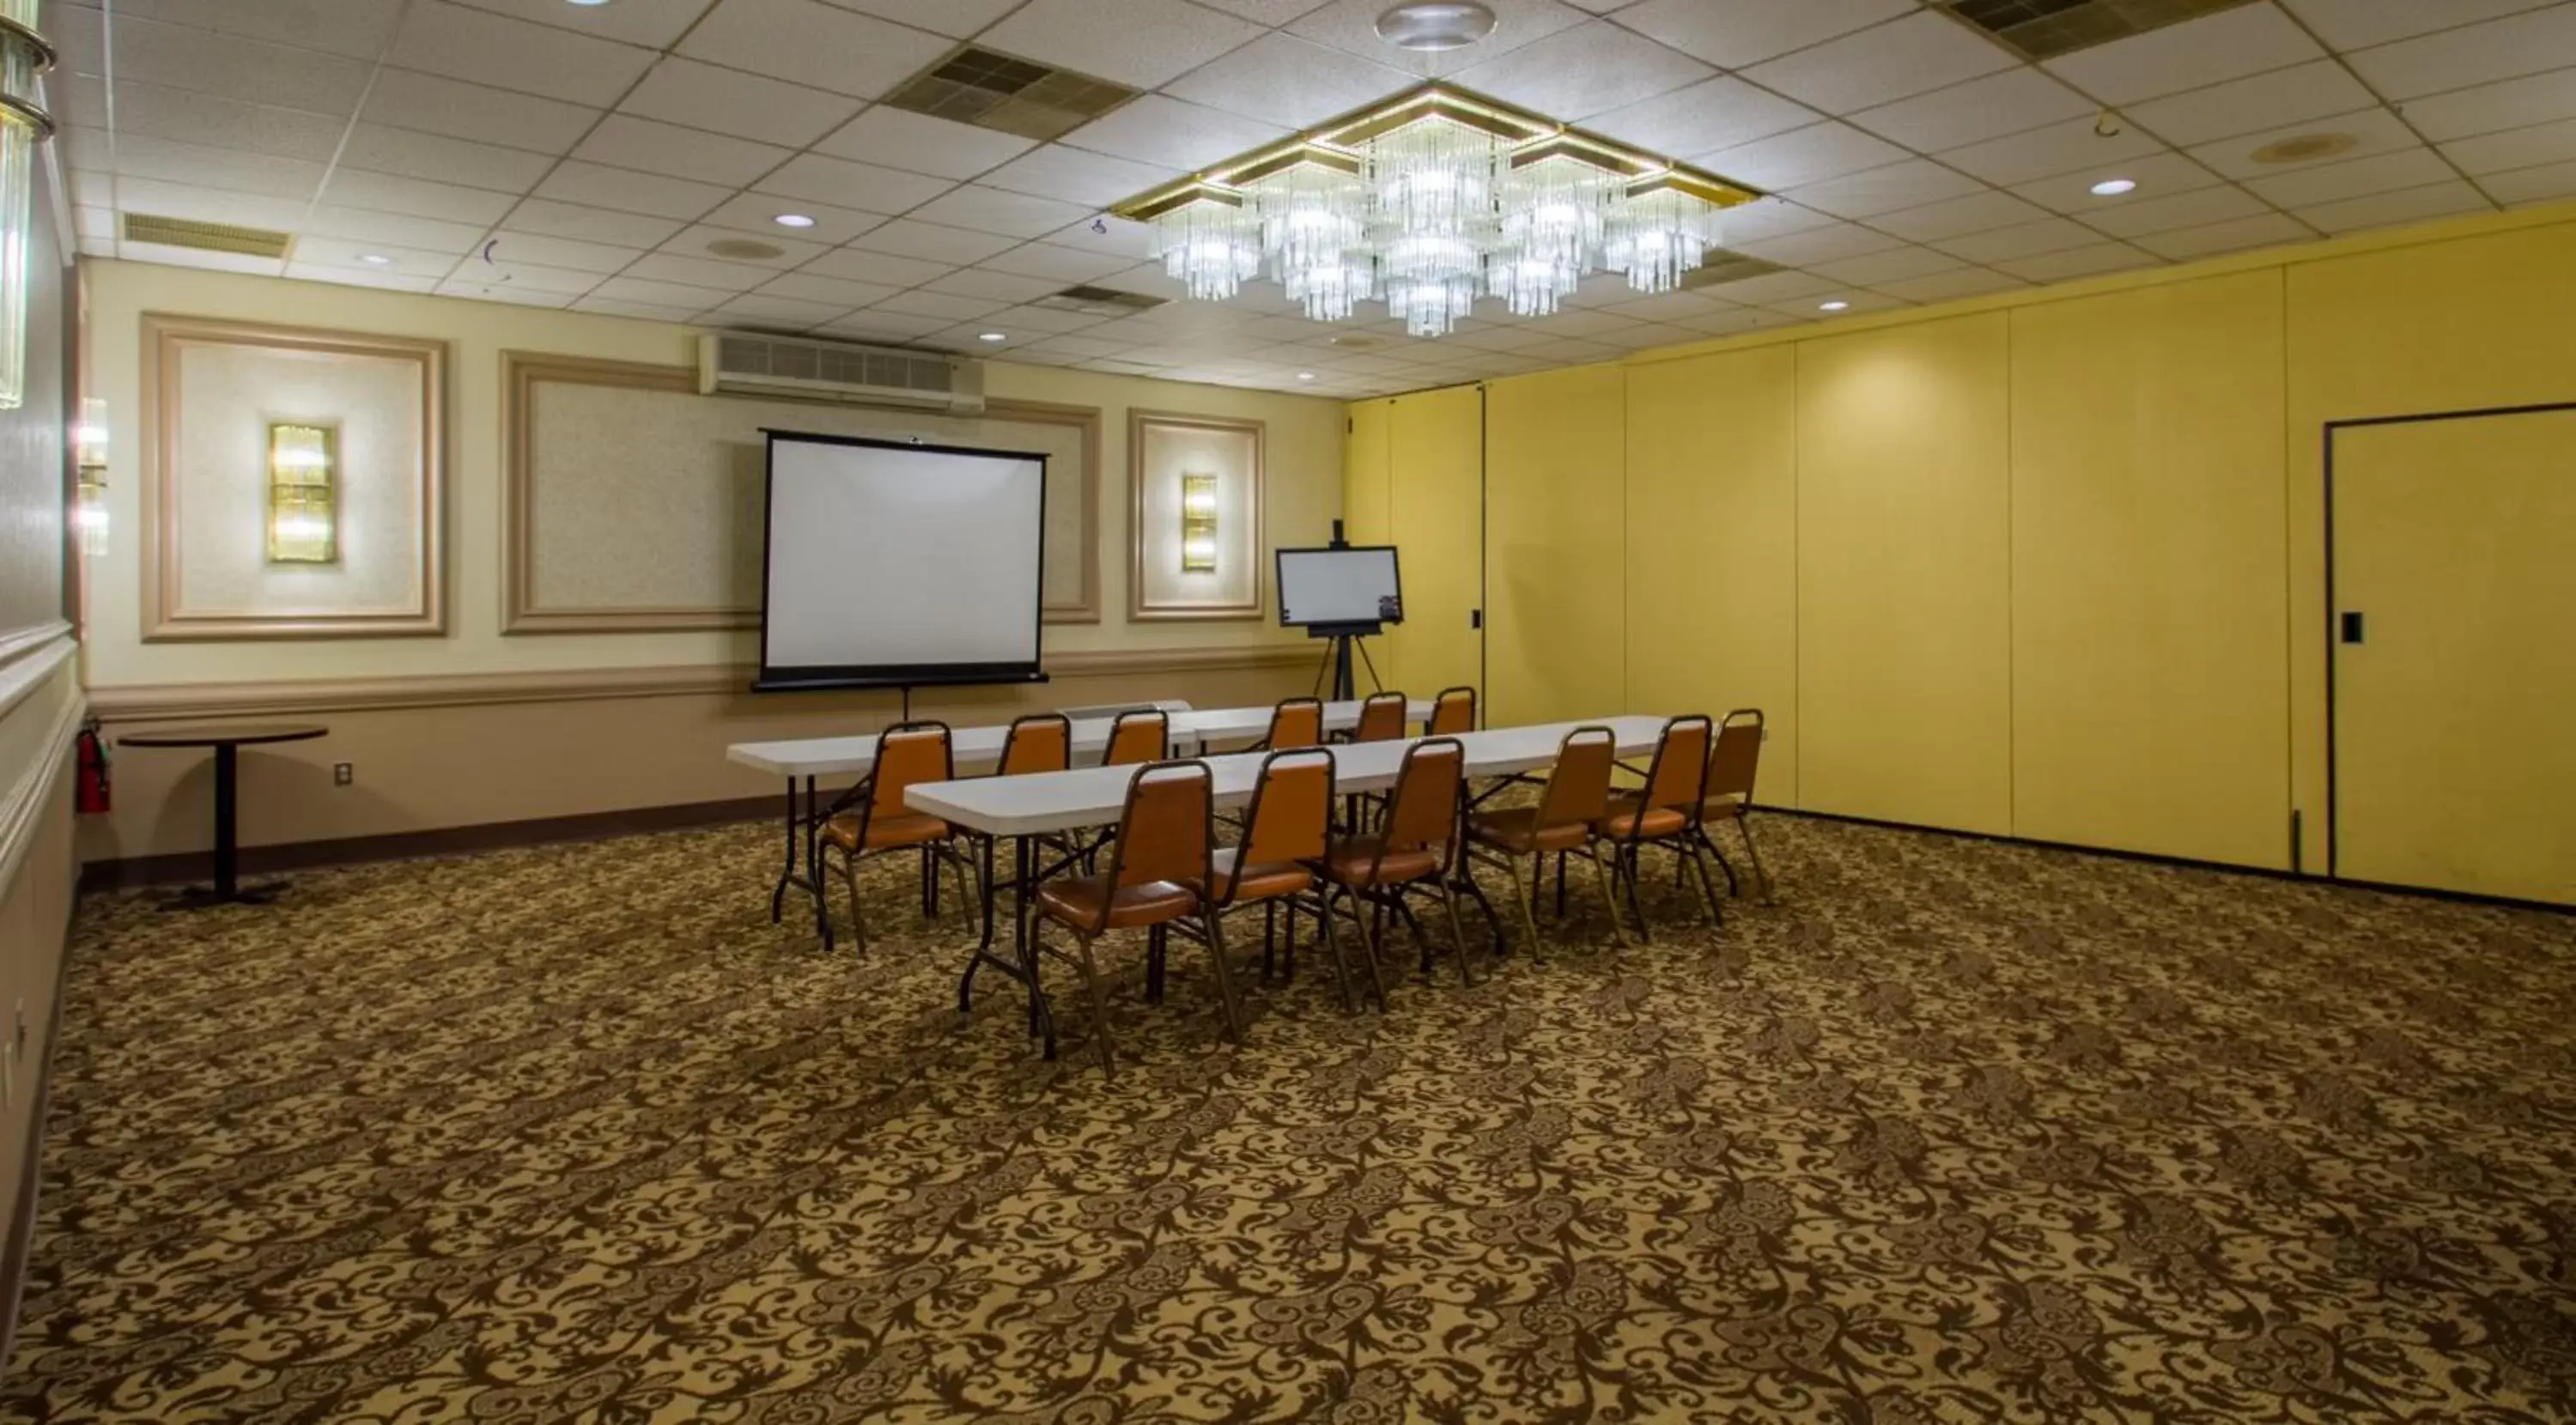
747	364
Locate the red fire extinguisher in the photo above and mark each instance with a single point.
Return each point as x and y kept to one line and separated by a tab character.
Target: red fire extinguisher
93	795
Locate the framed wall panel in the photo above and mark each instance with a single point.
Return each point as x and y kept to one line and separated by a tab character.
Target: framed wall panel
1194	488
215	389
632	503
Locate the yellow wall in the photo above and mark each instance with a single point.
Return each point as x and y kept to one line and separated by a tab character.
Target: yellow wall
1367	512
1436	463
2049	563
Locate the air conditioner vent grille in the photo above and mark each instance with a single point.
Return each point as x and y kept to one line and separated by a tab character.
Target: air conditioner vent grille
1009	95
1726	267
2045	29
207	237
1100	301
801	368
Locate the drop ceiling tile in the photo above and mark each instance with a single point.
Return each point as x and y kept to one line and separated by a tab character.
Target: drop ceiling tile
1921	52
1768	218
2327	183
1665	307
698	272
860	186
2509	48
939	304
2375	130
376	277
1171	134
2359	24
426	264
219	122
566	253
675	295
1855	302
1062	264
427	103
2488	108
1877	269
409	153
1569	351
653	24
2532	185
883	269
2407	205
2514	148
181	57
1351	25
957	19
2264	101
2136	216
586	224
830	291
414	197
649	146
1000	286
1980	109
2230	44
1080	348
918	143
1767	290
598	186
172	161
431	234
785	312
883	328
2070	263
1909	184
907	237
522	277
758	212
1043	319
702	242
1281	79
461	43
1819	245
991	210
1714	114
640	311
2045	152
1974	213
1736	33
1800	156
1146	43
2236	235
1075	176
745	106
97	223
816	45
355	28
1584	71
2157	175
1952	286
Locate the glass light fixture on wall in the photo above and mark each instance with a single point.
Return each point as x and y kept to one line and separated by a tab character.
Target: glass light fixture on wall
1198	524
89	459
24	124
303	519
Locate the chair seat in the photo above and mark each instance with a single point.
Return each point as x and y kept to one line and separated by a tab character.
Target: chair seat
1077	902
1262	882
1721	807
1623	822
1354	862
1517	830
902	829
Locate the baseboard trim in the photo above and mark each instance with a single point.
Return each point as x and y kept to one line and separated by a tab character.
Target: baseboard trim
140	871
2269	873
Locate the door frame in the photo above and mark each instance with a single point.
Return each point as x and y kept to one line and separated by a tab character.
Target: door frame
2334	819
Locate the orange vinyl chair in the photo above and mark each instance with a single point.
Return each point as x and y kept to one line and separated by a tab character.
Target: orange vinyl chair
1159	873
1453	712
1296	722
1037	742
1381	718
1415	849
1575	796
1138	737
1287	832
1732	765
1665	813
871	819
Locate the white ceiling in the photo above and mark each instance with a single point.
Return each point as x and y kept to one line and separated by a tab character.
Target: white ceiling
540	152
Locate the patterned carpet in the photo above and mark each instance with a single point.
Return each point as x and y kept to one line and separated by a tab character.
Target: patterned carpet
1954	1132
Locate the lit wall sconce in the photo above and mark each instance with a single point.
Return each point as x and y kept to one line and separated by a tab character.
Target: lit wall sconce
1198	524
24	124
89	461
303	527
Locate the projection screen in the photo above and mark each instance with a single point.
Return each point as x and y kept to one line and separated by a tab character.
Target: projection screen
891	563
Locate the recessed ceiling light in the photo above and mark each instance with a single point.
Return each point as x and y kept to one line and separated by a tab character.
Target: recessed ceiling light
375	259
1426	27
994	336
585	3
793	220
2114	187
1305	375
1836	305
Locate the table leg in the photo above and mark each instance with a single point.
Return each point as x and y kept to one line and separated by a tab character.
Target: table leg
1041	1020
814	866
786	872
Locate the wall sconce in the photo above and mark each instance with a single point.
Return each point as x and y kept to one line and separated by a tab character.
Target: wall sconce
1198	524
24	54
303	527
89	462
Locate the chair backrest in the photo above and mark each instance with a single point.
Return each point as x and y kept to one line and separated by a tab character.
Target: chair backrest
1291	814
1297	722
1578	789
1454	712
1424	810
908	754
1678	778
1167	832
1039	742
1142	736
1737	756
1381	718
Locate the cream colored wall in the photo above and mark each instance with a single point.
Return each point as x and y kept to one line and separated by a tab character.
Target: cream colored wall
1304	481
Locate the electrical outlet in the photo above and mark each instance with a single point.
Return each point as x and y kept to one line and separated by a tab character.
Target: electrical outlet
343	773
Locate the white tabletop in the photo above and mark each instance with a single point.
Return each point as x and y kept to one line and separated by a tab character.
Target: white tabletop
977	747
1094	796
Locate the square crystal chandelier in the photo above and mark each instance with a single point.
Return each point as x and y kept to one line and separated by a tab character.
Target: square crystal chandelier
1430	203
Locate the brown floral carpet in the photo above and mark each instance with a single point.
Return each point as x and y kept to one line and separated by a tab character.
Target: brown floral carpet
1955	1131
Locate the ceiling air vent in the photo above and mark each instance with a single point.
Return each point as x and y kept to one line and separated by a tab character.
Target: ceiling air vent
1726	267
207	237
1100	302
742	364
1010	95
2045	29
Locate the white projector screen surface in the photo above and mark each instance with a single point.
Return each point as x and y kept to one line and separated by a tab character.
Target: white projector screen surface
892	563
1339	586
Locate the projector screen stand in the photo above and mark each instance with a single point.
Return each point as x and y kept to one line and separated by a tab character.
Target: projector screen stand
1337	659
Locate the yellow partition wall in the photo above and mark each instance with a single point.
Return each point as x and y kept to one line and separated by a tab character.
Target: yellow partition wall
1436	500
1555	531
1367	506
1904	574
2149	584
1713	545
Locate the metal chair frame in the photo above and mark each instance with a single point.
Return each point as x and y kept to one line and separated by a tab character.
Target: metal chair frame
863	795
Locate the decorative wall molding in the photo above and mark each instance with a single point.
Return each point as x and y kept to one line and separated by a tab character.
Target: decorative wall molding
25	796
422	611
159	702
32	639
522	609
1150	593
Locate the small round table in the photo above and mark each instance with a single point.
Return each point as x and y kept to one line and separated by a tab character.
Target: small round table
227	742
